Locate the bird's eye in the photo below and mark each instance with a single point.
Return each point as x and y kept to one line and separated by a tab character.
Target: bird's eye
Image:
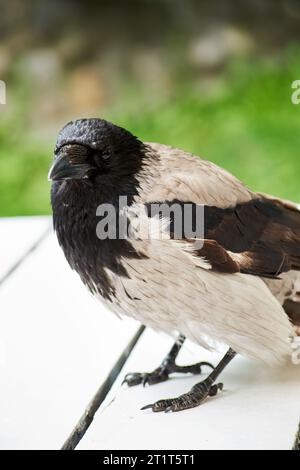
105	155
101	157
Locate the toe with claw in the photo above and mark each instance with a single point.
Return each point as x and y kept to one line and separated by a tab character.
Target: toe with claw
133	378
194	397
136	378
162	373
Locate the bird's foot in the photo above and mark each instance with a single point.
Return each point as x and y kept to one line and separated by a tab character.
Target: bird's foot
135	378
194	397
162	373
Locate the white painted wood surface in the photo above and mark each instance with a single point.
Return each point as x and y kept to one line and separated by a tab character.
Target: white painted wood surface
18	235
258	409
57	344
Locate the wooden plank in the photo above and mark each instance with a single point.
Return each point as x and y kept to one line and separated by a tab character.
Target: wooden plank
259	408
18	235
99	397
57	344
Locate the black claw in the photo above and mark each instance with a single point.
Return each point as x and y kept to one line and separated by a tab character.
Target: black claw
146	407
133	379
214	389
137	378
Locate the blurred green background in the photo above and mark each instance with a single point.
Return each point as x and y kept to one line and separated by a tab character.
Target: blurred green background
211	77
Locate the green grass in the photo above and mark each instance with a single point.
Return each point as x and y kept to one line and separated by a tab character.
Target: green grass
250	127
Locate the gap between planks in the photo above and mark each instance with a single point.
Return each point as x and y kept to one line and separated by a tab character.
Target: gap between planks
88	415
22	258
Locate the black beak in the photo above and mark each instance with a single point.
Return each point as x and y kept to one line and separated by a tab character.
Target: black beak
62	169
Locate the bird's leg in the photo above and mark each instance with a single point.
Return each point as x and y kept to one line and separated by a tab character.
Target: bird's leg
167	367
198	393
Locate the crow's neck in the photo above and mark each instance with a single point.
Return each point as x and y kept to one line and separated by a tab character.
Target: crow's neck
74	206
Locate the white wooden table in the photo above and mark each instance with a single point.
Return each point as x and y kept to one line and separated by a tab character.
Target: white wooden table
58	345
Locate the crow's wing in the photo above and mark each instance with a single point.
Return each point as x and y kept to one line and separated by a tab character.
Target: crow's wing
243	231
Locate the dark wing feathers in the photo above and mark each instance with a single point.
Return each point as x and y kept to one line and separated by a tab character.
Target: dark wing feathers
234	228
259	237
293	311
262	236
219	259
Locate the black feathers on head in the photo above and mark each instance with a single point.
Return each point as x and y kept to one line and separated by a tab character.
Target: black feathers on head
109	147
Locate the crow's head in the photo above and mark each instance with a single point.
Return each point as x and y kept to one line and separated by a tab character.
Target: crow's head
89	149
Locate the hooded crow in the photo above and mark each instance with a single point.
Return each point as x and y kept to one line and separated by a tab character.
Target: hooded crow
216	266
